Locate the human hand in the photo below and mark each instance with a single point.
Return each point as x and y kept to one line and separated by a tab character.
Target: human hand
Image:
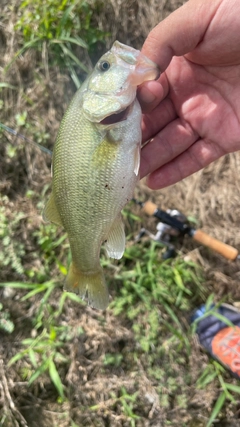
194	117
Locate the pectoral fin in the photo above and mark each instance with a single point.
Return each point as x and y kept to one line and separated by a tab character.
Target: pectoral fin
50	212
115	244
137	160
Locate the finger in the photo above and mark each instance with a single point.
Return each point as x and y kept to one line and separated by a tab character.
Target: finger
180	32
151	93
200	154
169	143
160	117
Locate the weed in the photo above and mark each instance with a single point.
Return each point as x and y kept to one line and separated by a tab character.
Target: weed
151	291
6	323
114	359
44	352
7	85
21	118
59	29
12	251
52	249
126	401
215	371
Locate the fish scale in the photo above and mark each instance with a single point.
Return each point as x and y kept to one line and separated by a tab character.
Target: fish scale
95	166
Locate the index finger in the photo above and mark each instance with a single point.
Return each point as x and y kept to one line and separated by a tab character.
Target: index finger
180	32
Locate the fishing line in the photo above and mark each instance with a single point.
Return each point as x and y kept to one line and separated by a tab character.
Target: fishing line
19	135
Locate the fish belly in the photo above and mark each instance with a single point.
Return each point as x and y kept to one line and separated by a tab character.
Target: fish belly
93	180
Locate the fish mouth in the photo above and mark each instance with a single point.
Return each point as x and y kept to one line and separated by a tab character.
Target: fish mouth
117	117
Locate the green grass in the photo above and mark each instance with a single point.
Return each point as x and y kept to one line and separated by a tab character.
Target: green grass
151	294
152	291
45	351
12	250
61	30
153	297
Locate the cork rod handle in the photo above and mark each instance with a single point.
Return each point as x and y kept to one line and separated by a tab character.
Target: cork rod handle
222	248
149	208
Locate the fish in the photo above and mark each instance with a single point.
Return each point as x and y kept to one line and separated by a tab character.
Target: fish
95	166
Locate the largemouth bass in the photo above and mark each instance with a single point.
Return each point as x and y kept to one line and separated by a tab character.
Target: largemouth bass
95	166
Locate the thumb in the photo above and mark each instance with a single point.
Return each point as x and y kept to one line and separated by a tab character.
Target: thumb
180	32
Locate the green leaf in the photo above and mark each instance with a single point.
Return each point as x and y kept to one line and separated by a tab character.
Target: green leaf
172	315
217	408
222	318
62	268
21	118
34	292
69	53
17	357
206	378
8	86
209	302
56	378
49	286
76	41
214	313
63	22
179	282
74	297
32	357
52	334
233	387
42	368
28	45
18	285
60	240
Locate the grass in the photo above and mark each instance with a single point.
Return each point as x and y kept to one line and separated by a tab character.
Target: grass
62	31
153	297
152	290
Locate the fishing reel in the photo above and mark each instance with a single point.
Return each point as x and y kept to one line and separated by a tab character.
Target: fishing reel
166	234
174	224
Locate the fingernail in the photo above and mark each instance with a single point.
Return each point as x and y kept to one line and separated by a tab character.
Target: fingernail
146	96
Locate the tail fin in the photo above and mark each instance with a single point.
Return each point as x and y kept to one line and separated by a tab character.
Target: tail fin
88	285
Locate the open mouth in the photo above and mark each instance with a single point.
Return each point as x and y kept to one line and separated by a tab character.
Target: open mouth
117	117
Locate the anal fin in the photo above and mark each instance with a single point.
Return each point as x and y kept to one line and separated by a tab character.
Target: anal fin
115	244
50	212
137	159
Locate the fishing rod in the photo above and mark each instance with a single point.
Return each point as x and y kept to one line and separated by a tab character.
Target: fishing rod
19	135
199	236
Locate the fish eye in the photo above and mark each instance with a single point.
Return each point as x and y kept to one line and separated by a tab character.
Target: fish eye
104	66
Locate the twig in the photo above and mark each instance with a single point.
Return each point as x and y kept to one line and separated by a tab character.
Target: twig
9	405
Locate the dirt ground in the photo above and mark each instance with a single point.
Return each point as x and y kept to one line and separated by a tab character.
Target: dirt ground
211	196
